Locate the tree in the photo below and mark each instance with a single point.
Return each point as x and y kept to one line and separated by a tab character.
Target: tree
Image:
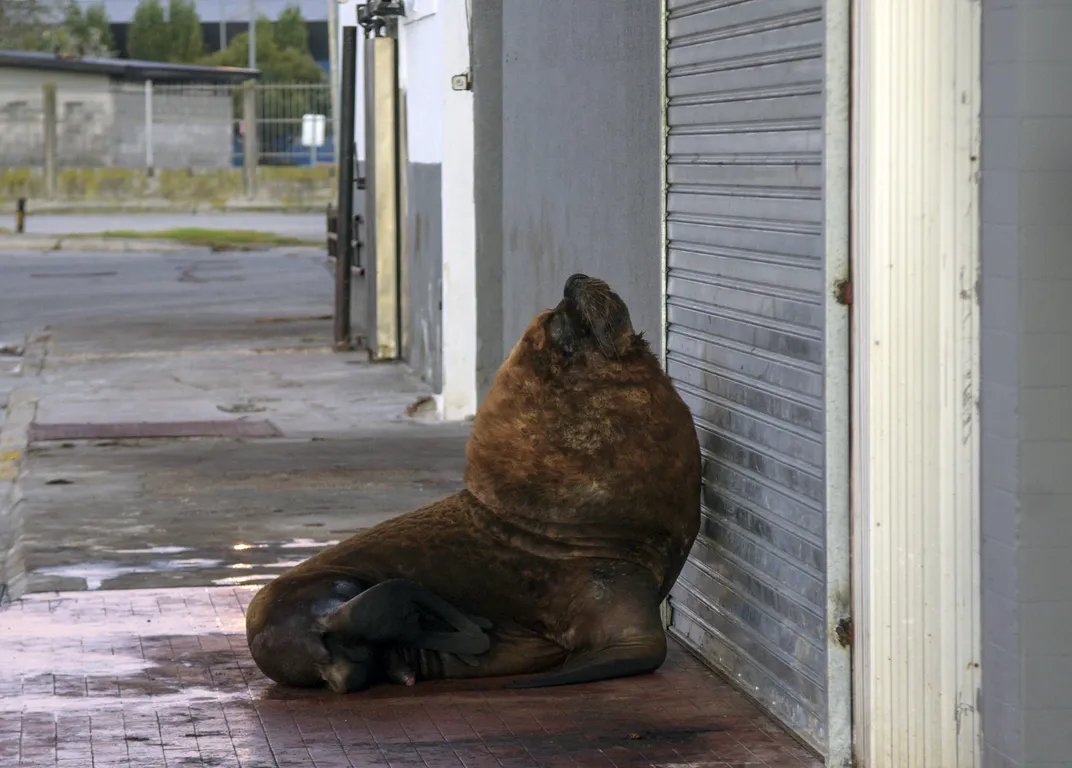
277	63
86	33
54	26
98	24
290	30
176	39
21	24
184	32
148	37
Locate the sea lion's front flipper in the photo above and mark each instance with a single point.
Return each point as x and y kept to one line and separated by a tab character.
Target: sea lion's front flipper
398	612
458	643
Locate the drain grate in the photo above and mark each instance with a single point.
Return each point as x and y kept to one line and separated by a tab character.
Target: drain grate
143	429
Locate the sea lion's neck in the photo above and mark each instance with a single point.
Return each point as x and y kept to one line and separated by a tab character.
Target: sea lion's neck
566	540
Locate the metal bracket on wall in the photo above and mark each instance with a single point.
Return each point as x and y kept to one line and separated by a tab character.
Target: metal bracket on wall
462	82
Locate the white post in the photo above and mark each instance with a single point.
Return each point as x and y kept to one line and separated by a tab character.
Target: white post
459	396
252	36
333	72
223	26
149	124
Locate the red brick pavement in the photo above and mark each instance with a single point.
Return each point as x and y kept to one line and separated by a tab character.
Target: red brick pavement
163	678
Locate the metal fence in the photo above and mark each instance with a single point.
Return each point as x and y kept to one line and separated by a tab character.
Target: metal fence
100	124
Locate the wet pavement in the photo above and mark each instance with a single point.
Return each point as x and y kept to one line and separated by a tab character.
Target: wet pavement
160	513
247	341
142	552
162	678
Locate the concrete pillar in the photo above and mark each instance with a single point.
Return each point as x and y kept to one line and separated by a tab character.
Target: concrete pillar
488	188
49	101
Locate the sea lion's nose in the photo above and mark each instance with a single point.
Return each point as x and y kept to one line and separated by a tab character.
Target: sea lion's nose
571	283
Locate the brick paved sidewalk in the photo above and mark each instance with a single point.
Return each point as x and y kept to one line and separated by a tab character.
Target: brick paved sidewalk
163	678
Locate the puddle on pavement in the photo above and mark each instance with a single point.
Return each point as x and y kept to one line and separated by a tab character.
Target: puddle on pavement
202	566
95	574
292	544
154	551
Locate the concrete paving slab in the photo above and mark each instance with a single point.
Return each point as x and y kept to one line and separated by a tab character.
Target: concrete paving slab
157	513
163	678
310	392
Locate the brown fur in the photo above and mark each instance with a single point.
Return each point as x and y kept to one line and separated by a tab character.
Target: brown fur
581	503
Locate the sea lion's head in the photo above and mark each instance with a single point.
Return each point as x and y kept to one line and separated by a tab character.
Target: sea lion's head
589	330
590	319
581	424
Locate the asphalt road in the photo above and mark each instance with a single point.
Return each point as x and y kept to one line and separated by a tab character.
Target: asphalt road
113	291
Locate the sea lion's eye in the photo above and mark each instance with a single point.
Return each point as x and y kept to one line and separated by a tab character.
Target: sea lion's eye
560	331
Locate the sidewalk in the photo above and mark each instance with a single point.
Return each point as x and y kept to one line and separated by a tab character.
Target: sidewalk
162	677
191	439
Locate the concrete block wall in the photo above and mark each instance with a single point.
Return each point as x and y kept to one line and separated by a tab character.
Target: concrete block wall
100	125
190	129
1026	388
83	118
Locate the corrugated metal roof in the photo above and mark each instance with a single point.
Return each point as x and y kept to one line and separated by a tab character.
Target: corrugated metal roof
126	69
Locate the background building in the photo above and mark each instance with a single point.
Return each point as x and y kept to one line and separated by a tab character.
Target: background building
841	224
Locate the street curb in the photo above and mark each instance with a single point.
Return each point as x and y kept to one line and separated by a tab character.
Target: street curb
14	441
45	243
103	244
76	209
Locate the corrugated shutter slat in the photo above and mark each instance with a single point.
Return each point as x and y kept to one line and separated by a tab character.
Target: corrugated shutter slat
745	317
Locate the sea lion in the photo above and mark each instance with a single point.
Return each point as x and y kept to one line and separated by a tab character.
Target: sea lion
581	502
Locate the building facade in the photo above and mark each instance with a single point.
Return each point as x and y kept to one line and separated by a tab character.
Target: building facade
840	223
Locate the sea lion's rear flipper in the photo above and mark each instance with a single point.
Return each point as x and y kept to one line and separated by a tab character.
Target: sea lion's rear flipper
634	643
400	612
593	666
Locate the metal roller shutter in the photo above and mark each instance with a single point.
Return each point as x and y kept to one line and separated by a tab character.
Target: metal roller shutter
745	309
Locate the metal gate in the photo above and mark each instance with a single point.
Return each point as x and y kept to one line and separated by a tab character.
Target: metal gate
745	340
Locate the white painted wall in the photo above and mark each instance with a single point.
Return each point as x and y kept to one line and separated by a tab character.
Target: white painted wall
459	396
420	65
348	17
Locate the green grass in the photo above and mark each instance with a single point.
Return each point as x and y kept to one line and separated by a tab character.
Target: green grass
217	239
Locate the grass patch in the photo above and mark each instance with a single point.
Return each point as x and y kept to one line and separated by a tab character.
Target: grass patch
216	239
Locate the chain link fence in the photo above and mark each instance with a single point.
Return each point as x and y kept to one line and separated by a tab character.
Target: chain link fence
188	126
